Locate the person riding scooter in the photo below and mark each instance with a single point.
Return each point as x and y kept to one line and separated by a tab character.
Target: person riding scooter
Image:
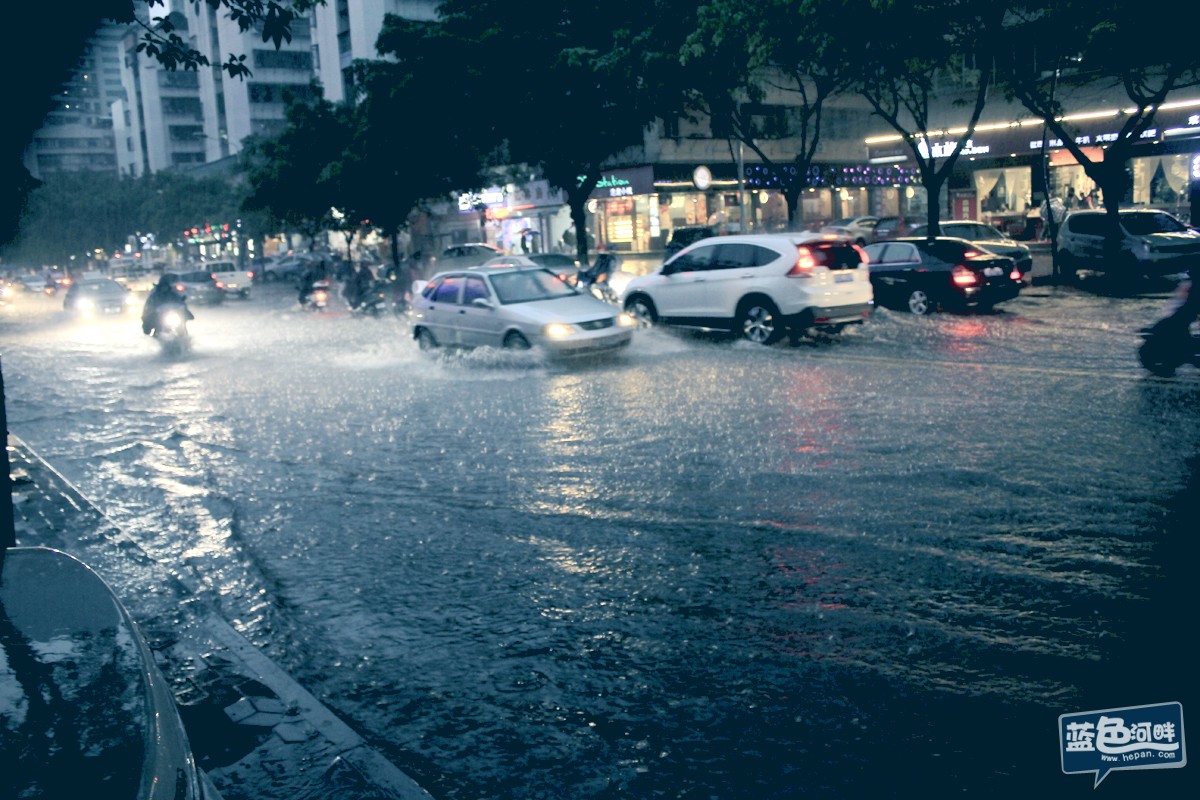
1170	342
163	295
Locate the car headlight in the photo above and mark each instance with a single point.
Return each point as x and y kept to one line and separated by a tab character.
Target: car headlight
85	304
558	330
626	320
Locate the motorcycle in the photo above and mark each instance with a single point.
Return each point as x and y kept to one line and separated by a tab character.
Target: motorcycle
374	301
318	296
594	280
171	330
1175	339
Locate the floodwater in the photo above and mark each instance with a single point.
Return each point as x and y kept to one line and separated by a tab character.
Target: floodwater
702	569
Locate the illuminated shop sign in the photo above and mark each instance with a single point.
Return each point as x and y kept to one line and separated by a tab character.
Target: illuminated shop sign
945	149
615	183
488	198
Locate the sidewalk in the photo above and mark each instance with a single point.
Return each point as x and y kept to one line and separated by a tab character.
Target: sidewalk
255	733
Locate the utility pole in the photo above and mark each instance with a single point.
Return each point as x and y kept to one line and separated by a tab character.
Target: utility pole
741	187
8	528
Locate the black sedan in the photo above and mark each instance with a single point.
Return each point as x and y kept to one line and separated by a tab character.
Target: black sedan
924	275
986	236
89	298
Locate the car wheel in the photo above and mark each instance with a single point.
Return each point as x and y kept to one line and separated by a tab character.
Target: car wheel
425	340
759	322
919	303
515	341
641	308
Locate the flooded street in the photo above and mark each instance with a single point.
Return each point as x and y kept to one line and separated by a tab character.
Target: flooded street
700	569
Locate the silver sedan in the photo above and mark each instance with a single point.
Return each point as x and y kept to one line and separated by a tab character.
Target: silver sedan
515	308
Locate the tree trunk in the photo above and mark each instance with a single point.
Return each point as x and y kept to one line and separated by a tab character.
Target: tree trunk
577	201
933	209
1114	182
791	197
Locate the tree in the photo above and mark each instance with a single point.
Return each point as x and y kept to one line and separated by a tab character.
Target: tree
73	214
33	86
581	79
413	142
899	76
1050	50
740	54
294	177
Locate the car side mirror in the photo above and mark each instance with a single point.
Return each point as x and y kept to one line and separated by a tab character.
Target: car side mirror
670	269
482	302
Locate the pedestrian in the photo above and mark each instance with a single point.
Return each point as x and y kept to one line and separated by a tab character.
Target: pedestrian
1071	201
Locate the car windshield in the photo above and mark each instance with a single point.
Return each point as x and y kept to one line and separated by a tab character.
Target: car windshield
528	285
1143	224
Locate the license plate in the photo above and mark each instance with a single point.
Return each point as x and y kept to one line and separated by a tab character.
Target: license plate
843	277
993	272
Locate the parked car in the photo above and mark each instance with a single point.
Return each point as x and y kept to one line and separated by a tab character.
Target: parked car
98	296
682	237
461	256
515	307
234	281
985	236
199	285
859	230
757	286
1153	244
923	275
284	268
892	228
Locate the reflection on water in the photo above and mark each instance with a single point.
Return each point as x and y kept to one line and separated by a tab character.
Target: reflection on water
702	569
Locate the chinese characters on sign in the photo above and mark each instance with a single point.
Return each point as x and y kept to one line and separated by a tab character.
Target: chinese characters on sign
1138	737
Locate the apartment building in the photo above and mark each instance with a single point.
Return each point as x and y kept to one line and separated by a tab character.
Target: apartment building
78	132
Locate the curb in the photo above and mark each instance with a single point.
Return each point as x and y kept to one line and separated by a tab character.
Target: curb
254	731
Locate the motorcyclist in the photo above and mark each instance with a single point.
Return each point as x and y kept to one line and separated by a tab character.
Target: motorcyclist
358	285
1169	342
314	273
163	294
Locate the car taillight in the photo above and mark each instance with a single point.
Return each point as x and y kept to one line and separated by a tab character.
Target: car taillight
805	261
1015	275
249	276
970	254
962	276
220	284
179	287
866	259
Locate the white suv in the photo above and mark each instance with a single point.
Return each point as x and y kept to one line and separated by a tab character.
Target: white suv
757	286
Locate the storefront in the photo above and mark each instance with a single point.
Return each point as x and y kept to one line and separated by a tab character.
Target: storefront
1001	175
516	219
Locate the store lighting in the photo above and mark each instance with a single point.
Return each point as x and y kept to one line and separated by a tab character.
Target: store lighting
1086	115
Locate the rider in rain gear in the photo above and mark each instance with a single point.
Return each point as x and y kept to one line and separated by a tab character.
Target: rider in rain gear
163	294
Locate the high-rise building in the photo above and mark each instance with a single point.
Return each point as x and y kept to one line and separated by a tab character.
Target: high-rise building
160	122
78	132
346	30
